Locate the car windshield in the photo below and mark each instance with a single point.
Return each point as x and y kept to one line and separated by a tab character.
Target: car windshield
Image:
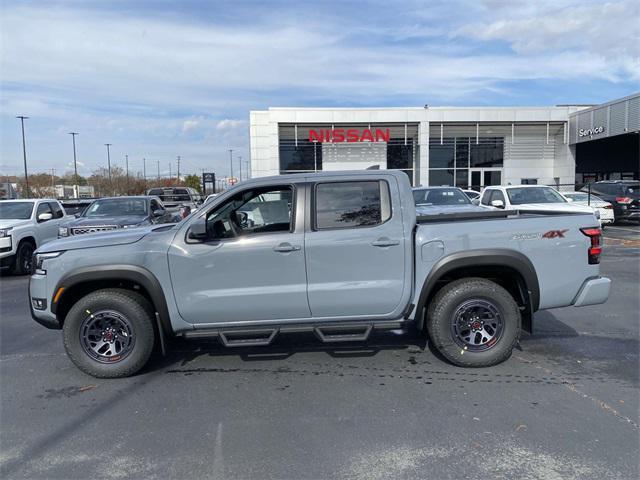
15	210
582	197
521	196
440	196
116	207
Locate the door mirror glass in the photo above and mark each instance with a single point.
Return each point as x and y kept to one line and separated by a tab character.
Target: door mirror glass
497	203
198	230
158	212
43	217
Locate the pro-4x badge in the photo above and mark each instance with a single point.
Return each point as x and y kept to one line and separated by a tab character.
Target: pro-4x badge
555	234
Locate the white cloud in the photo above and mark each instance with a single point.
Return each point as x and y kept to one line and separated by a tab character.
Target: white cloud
189	126
228	124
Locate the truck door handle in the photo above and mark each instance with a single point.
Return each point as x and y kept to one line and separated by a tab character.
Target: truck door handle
286	247
385	242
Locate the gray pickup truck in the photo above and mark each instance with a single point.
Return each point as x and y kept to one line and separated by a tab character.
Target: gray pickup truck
339	254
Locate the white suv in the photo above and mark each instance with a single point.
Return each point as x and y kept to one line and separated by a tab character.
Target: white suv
525	198
24	226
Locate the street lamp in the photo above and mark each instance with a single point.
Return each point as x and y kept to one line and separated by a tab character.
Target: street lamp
109	166
75	165
231	161
24	155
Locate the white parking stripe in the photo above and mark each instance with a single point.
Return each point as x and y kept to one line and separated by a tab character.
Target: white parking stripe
625	229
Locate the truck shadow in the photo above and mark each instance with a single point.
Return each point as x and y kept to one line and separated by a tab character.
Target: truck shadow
183	352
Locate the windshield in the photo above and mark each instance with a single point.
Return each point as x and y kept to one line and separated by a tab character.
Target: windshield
521	196
582	197
633	188
117	207
15	210
440	196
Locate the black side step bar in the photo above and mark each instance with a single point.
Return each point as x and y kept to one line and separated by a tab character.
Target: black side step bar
343	333
264	335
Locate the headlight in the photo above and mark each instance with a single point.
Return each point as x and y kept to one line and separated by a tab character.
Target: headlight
41	257
63	232
4	232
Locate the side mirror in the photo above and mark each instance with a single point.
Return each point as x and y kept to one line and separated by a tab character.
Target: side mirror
158	212
497	203
43	217
569	199
198	230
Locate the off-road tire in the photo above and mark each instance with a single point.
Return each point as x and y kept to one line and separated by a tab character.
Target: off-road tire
135	308
440	316
23	258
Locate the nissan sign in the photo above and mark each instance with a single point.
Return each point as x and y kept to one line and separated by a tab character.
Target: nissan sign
590	131
338	135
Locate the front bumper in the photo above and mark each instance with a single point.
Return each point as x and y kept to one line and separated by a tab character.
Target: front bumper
38	289
594	291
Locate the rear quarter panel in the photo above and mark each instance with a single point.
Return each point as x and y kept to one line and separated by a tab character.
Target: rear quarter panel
561	262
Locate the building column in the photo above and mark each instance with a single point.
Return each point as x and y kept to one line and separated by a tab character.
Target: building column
422	167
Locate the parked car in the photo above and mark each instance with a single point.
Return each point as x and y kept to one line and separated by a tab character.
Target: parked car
605	209
624	195
75	206
436	200
111	213
472	194
176	197
338	254
530	198
24	226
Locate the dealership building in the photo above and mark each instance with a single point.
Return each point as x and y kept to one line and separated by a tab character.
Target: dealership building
463	146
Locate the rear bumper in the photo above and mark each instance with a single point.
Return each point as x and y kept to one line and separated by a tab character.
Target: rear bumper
594	291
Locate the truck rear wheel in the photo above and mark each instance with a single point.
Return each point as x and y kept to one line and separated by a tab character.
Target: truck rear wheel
474	322
109	333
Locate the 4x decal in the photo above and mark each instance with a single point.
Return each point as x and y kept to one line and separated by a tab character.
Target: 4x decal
554	234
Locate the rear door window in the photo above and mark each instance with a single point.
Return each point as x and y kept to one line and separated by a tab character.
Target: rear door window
351	204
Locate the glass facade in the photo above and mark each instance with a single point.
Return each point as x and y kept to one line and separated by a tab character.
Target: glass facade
450	158
311	148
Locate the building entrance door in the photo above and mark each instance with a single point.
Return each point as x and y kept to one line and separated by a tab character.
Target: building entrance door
484	177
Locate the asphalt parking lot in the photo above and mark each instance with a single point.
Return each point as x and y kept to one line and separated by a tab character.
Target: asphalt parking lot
564	406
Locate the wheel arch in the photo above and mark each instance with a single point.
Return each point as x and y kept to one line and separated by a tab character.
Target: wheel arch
502	265
82	281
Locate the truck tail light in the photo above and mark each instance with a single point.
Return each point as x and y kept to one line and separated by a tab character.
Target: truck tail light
595	234
624	200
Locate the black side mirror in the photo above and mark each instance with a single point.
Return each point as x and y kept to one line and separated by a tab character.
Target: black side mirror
198	230
158	212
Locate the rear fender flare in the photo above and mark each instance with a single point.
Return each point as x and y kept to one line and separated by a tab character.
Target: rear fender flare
493	257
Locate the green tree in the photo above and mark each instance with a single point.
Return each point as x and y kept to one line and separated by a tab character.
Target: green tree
193	181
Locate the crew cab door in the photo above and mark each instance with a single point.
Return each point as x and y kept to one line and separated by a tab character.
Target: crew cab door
355	249
47	230
251	265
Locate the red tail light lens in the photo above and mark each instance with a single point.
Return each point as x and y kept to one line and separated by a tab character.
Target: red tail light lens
624	200
610	207
594	251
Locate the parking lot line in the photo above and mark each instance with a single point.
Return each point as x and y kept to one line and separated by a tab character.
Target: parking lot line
634	230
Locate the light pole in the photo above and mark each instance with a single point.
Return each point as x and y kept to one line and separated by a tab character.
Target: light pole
231	161
75	165
109	166
24	155
158	165
126	162
178	169
240	162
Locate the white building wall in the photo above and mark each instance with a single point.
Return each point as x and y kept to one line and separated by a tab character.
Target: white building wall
527	156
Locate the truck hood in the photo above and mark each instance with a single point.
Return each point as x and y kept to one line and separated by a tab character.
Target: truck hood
12	223
553	207
437	209
96	221
106	239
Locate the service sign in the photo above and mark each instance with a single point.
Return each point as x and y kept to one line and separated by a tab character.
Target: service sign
339	135
587	132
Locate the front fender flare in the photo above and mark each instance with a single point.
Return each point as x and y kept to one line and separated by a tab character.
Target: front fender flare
132	273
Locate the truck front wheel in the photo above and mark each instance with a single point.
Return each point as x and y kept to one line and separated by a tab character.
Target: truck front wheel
109	333
474	322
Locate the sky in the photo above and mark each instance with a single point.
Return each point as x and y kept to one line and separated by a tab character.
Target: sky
161	79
